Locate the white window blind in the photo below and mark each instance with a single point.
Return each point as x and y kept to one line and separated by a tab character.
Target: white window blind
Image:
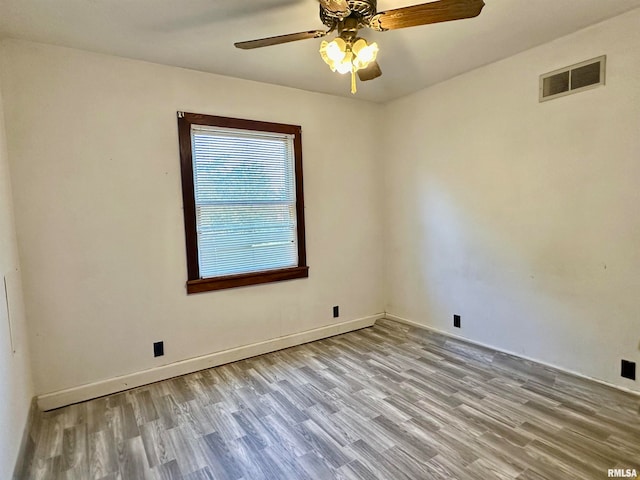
245	200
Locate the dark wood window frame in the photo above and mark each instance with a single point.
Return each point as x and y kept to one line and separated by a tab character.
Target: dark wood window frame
195	284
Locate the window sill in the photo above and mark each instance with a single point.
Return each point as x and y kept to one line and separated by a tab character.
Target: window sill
245	279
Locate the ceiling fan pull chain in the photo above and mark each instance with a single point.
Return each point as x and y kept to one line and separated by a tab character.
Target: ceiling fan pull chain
353	81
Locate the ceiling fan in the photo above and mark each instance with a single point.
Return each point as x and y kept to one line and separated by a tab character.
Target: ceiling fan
348	53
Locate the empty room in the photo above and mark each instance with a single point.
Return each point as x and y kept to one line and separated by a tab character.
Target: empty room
319	239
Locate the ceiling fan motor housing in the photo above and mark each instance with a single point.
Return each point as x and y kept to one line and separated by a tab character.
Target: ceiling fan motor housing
361	10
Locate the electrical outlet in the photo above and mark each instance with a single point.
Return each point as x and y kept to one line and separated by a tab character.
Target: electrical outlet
456	321
628	370
336	311
158	349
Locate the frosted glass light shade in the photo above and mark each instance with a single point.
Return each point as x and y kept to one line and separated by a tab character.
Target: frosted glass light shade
345	57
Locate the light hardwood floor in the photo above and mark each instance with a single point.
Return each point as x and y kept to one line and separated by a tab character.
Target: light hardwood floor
388	402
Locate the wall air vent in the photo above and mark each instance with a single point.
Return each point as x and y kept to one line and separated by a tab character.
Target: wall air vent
573	79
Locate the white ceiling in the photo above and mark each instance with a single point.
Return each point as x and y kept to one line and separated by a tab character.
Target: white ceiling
199	34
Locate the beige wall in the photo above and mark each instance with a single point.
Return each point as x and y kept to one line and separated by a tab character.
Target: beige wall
523	216
16	387
95	168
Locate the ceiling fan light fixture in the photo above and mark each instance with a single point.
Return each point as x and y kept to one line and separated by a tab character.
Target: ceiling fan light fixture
349	53
344	56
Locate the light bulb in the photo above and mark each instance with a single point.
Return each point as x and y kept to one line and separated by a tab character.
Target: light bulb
331	53
334	53
365	54
345	65
368	54
336	50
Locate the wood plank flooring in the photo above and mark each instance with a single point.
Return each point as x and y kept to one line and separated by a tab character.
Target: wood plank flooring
387	402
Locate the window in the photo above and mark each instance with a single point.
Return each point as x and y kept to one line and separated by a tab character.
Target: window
243	201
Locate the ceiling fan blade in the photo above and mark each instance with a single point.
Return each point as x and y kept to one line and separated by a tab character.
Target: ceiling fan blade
372	71
433	12
336	6
292	37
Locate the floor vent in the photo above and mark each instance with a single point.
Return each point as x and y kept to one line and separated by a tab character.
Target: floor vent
572	79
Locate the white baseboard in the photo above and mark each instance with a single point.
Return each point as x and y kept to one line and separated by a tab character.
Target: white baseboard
412	323
81	393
